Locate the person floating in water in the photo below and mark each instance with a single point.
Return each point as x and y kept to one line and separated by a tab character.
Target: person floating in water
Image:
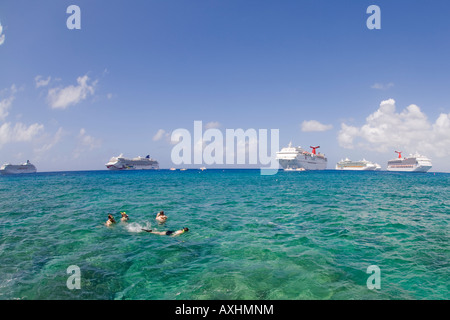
110	220
124	216
167	233
161	217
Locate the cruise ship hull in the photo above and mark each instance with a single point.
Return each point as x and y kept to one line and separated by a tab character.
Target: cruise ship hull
356	168
409	169
307	163
131	166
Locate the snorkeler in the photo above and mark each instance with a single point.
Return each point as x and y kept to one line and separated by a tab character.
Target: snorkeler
124	216
110	220
161	217
168	233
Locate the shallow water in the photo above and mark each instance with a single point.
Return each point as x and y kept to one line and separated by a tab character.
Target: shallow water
293	235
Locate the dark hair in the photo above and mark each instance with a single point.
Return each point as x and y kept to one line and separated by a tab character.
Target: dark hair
186	229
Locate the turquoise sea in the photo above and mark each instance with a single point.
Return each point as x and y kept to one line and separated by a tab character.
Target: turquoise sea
293	235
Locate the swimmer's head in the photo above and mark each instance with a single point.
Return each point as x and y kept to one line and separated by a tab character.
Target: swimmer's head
124	214
185	229
110	217
161	212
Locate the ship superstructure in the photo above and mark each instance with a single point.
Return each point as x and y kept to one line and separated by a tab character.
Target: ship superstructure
295	158
139	163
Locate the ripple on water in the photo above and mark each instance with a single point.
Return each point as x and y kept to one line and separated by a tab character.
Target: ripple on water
308	236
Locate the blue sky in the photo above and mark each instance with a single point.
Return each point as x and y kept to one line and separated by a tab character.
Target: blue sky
71	99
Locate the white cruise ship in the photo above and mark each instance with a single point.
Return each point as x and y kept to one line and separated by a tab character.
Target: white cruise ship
414	163
27	167
361	165
296	158
139	163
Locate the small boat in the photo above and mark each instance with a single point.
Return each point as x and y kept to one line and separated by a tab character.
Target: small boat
295	169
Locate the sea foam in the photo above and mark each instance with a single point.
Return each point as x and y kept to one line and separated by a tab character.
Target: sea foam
137	227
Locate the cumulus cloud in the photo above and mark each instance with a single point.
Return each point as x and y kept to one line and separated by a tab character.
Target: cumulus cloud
314	125
19	132
61	98
408	130
41	82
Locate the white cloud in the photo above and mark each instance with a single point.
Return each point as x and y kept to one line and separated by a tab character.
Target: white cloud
6	103
346	136
85	143
41	82
381	86
88	141
61	98
313	125
19	132
2	36
409	130
50	143
159	135
441	136
212	125
176	136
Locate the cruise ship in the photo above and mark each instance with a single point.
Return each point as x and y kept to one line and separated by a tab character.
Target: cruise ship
8	168
414	163
296	158
361	165
139	163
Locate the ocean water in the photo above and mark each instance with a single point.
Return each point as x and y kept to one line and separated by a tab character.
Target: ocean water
293	235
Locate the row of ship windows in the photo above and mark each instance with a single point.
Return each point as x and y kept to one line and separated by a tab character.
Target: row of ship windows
401	166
